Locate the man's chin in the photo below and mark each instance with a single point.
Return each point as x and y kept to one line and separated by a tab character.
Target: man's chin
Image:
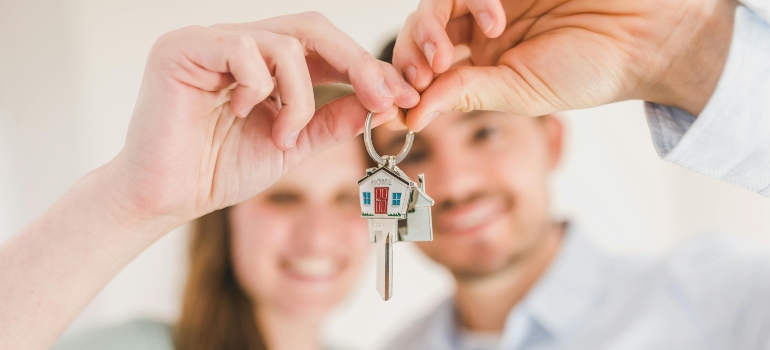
463	274
481	267
472	256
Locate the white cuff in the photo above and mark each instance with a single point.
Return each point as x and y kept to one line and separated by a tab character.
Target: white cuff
730	139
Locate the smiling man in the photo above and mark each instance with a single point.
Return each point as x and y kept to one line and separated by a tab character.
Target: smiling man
527	281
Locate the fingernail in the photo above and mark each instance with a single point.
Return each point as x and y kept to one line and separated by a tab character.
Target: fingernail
291	140
245	112
485	21
408	88
383	89
429	118
411	74
429	50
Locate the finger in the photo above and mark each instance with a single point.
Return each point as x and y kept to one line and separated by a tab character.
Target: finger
409	59
285	56
212	59
323	73
249	63
462	56
489	16
429	32
335	122
405	95
398	123
498	88
341	52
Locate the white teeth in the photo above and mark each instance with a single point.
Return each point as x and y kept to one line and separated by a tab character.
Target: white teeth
473	219
312	267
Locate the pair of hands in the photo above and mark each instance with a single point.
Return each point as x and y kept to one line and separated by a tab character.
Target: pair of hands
224	111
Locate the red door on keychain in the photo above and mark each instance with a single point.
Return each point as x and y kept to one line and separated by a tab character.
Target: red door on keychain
380	200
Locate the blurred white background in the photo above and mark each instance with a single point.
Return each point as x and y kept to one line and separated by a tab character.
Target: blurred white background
69	75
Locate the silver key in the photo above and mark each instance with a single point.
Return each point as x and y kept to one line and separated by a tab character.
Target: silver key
385	231
396	207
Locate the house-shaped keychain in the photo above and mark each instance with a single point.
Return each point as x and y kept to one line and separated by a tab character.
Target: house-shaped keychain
390	195
396	207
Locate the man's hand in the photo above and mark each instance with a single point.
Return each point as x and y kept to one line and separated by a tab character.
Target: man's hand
224	111
534	57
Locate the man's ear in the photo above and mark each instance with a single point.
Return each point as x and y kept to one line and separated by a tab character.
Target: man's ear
554	131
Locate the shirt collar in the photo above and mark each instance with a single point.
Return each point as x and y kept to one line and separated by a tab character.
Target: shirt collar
570	286
561	298
442	326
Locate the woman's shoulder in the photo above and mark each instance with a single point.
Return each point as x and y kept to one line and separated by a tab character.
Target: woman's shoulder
138	334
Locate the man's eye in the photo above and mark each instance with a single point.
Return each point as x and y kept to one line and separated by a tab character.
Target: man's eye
484	133
415	156
283	198
348	199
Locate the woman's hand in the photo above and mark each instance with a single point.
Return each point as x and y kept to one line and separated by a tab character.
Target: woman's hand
224	111
207	132
534	57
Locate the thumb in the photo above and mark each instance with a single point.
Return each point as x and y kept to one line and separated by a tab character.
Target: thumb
489	88
334	123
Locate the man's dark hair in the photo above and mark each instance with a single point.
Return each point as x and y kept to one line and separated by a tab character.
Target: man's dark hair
386	55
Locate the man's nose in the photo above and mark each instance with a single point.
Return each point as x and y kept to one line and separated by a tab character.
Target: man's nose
457	173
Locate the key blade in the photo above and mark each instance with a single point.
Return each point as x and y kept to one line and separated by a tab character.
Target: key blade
385	265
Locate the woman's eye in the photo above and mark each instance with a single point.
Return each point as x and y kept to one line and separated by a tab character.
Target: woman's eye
283	198
484	133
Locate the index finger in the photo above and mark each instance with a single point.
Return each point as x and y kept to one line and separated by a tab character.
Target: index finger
375	91
424	38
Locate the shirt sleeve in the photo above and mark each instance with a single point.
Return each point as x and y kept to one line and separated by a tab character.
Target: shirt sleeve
730	139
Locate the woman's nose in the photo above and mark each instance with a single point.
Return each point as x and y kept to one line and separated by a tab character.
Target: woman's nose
316	228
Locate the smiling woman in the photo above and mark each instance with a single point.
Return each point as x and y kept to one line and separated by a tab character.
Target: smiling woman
280	260
265	273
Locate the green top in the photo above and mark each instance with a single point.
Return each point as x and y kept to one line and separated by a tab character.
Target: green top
134	335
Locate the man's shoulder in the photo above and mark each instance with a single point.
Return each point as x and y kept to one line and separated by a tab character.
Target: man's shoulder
722	281
721	264
719	256
420	333
704	260
717	279
136	334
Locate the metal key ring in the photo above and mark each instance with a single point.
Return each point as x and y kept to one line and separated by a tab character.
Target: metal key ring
370	148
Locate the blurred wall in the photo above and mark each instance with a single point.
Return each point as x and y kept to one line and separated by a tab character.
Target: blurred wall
69	75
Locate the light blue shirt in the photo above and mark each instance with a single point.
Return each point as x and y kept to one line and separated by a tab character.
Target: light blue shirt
730	139
711	293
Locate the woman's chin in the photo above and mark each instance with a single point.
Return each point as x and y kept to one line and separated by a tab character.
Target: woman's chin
309	308
312	294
